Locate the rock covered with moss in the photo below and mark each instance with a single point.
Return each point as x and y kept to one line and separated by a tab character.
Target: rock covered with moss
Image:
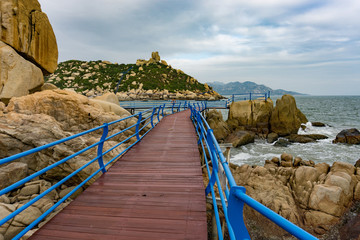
152	79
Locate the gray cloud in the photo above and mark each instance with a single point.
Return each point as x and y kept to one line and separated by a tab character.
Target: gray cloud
299	45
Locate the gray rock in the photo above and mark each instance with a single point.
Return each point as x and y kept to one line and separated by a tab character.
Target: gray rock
349	136
282	143
12	173
272	137
240	138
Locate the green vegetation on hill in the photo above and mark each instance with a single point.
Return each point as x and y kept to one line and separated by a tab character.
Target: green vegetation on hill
86	76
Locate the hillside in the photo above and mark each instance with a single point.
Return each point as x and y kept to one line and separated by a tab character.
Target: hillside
246	87
95	77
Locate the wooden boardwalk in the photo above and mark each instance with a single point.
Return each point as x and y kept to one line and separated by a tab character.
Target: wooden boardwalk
155	191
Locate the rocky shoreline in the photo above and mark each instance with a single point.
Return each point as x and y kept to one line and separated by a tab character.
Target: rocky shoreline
313	196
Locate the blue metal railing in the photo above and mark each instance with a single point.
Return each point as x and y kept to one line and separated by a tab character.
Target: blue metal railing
232	197
249	96
146	120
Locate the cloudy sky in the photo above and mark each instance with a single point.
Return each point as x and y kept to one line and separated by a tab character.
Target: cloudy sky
309	46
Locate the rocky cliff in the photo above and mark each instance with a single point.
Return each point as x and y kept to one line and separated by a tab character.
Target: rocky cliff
147	79
27	48
313	196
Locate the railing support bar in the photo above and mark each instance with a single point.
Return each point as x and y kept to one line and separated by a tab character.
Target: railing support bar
138	126
100	147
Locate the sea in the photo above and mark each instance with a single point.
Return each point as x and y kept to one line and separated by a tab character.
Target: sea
337	112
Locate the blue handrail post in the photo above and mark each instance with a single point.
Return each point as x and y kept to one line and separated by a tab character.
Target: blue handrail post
152	117
158	114
265	97
235	213
250	96
184	105
269	95
233	98
172	108
138	126
178	110
100	147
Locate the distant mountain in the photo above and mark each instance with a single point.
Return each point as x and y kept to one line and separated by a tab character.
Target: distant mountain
246	87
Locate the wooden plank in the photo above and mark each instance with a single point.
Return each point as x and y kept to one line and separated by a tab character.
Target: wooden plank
155	191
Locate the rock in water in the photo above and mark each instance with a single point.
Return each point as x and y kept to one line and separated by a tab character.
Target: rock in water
272	137
28	30
350	136
240	138
251	114
286	118
17	75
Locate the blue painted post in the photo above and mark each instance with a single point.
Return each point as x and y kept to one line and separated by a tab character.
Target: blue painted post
250	96
233	98
152	117
265	97
235	213
100	147
158	114
179	107
172	108
138	126
184	105
269	95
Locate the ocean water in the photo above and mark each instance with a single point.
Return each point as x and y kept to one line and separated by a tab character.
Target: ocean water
337	112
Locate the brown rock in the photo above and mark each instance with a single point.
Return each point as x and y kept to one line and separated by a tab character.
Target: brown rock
219	126
322	168
349	136
343	167
240	138
299	138
357	192
302	183
255	113
286	157
327	199
108	97
27	29
276	160
12	172
48	86
18	76
321	220
272	137
318	124
357	164
297	161
286	118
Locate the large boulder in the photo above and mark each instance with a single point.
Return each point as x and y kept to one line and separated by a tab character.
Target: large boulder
50	115
240	138
73	111
28	30
219	126
108	97
349	136
286	118
313	197
251	114
18	77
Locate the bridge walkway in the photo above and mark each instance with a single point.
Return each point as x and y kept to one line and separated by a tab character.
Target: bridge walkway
154	191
